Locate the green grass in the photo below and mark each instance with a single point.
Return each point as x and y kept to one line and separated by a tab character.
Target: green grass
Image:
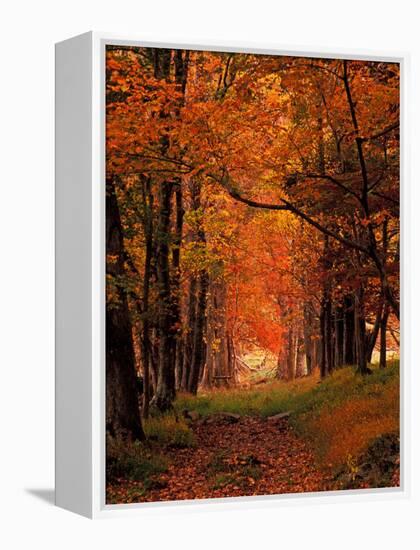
134	462
343	385
264	400
169	430
300	396
145	461
140	460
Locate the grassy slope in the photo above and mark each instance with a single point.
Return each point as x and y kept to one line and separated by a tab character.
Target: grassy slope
339	416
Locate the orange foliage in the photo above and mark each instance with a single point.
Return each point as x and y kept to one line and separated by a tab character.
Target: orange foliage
350	427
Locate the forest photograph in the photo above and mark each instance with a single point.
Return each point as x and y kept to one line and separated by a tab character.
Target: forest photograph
252	274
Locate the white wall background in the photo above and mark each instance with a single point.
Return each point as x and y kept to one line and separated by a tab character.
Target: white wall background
28	32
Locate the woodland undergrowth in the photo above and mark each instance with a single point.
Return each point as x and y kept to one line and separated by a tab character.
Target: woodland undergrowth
344	419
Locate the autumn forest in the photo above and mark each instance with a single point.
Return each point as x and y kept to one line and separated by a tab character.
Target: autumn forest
252	274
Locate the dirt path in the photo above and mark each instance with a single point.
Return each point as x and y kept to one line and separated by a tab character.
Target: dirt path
253	456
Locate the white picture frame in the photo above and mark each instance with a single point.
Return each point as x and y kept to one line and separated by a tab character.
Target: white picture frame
80	280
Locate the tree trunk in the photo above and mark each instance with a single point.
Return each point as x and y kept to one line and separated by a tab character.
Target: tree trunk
165	389
360	331
300	369
216	371
329	348
122	404
189	337
176	280
146	345
327	363
307	336
179	362
339	336
384	322
373	335
232	369
198	303
386	307
322	331
281	371
168	290
198	347
154	359
291	354
326	334
349	357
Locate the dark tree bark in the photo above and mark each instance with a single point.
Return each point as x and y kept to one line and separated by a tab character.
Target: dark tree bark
181	62
349	355
307	336
189	337
198	347
372	336
281	371
317	357
383	346
323	366
195	350
329	347
326	336
165	389
179	361
326	324
154	359
360	331
168	287
339	335
122	404
291	354
176	277
386	307
146	344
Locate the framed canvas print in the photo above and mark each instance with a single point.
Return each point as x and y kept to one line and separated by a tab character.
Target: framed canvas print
228	275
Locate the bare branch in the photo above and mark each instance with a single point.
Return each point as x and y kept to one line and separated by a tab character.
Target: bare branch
394	126
335	182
